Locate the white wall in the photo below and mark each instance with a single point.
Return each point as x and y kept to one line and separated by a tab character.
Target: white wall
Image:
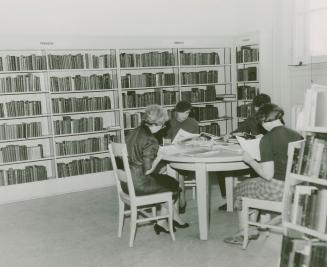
158	23
133	18
142	23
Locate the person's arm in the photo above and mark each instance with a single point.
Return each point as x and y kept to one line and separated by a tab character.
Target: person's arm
155	164
265	168
150	151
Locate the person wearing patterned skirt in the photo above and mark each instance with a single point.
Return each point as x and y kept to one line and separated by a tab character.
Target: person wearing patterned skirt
271	168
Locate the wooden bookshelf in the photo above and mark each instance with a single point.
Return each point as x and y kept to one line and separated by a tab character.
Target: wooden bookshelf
61	80
247	73
304	213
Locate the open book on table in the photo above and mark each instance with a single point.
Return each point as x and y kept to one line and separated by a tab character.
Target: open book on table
251	146
183	136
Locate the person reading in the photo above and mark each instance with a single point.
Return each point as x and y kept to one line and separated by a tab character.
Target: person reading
181	120
147	171
271	170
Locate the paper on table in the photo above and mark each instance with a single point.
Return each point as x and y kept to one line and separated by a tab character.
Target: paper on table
251	146
183	135
169	150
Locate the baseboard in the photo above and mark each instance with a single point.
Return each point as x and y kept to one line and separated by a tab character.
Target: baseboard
21	192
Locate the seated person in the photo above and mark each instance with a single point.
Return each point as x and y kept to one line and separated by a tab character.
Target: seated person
181	120
249	126
143	149
271	168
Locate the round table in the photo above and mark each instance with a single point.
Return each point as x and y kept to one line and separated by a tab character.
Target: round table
221	159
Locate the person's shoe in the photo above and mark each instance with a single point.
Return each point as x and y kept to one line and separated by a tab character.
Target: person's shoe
238	239
158	229
178	225
182	209
223	207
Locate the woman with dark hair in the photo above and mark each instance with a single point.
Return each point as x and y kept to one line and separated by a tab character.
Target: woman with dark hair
147	176
271	168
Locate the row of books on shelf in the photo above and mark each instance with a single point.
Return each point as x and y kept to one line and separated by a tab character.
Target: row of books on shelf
246	92
199	77
211	58
13	153
87	60
212	128
148	80
18	176
247	74
298	252
21	130
81	61
200	95
247	54
80	104
311	157
84	166
132	99
309	207
245	110
68	61
83	83
92	144
67	125
38	173
20	108
149	59
131	120
18	63
20	83
209	112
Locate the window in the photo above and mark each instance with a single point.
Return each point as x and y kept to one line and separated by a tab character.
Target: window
310	29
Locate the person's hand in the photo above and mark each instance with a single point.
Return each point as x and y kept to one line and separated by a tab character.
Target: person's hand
163	170
247	158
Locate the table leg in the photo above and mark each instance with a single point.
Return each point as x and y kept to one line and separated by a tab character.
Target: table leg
201	175
229	182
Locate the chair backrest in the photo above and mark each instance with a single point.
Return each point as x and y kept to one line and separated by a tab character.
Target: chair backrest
119	151
288	182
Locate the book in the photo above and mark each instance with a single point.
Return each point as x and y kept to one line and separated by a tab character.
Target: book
251	146
320	219
183	135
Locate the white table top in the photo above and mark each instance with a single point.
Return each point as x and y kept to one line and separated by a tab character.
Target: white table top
214	154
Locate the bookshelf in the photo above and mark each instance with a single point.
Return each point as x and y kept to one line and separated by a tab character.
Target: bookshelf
205	81
147	76
304	204
166	76
58	111
60	107
248	80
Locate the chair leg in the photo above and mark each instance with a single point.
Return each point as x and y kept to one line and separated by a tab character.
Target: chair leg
121	218
133	226
229	183
245	216
170	219
193	192
154	211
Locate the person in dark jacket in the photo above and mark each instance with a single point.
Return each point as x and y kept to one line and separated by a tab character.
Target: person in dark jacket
147	170
251	125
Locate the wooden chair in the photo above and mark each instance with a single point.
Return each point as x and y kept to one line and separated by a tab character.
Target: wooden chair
267	205
135	203
274	206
